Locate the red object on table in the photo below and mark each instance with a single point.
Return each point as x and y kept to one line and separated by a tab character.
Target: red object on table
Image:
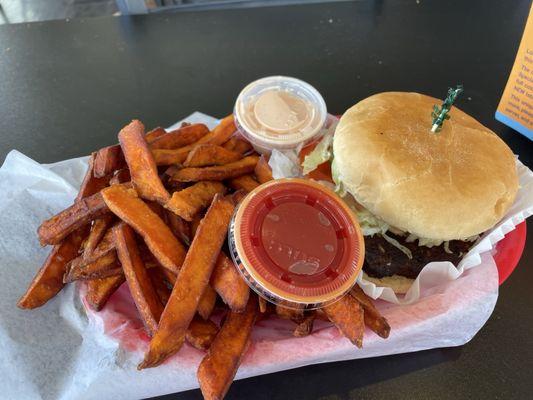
509	250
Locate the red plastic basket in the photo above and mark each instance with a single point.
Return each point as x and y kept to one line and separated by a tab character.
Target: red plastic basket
509	250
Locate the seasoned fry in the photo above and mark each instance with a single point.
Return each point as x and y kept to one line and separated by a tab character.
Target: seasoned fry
100	290
218	173
55	229
373	319
108	160
207	302
156	234
305	326
141	287
90	183
141	163
219	366
98	229
201	333
348	315
102	267
210	154
190	201
262	171
245	182
229	285
154	134
180	137
179	227
238	145
49	280
121	176
191	282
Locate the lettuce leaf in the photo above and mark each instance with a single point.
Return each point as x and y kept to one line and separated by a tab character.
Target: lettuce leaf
321	153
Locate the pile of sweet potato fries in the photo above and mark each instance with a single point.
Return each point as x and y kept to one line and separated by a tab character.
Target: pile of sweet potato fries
140	217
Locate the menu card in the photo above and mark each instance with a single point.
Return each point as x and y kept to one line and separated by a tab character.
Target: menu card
516	105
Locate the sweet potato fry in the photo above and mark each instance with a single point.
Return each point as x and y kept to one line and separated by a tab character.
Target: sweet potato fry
179	227
289	313
263	172
245	182
239	196
238	145
100	290
373	319
263	305
98	229
229	285
218	136
201	333
160	284
348	315
90	183
156	234
180	137
210	154
121	176
141	287
141	163
206	304
49	280
154	134
219	366
195	223
190	201
221	134
171	157
305	326
55	229
108	160
191	283
218	173
102	267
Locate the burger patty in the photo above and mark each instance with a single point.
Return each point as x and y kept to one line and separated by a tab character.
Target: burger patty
384	259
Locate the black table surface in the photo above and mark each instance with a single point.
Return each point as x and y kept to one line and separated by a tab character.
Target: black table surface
66	87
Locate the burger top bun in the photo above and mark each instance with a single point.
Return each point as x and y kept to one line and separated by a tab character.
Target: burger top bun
448	185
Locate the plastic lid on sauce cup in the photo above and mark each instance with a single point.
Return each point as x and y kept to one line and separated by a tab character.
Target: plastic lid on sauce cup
279	112
296	243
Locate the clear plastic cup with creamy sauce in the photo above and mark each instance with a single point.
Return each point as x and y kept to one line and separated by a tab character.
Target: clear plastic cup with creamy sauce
280	112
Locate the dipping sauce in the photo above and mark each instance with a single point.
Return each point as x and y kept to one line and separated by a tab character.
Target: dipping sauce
296	243
279	113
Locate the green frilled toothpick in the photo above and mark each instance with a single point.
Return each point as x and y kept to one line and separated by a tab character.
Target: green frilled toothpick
439	115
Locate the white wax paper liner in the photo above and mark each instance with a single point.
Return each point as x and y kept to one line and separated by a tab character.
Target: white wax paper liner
63	351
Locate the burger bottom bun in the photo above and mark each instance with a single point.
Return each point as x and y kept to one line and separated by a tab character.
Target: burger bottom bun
399	284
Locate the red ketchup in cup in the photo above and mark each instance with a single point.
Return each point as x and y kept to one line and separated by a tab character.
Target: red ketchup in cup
296	243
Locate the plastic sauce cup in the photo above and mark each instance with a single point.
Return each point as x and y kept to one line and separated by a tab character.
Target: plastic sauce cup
296	243
279	112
